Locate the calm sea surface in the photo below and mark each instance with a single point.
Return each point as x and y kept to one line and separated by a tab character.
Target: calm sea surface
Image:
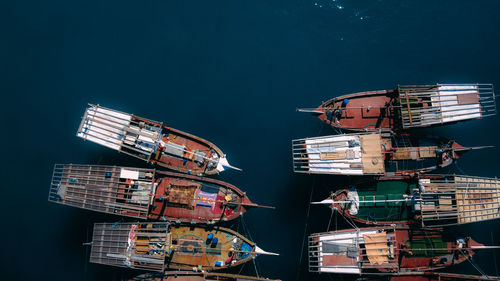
232	72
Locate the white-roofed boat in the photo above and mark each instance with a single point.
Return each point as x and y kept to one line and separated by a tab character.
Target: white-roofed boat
373	154
406	107
151	141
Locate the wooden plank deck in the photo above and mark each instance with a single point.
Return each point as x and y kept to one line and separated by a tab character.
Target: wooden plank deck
481	197
371	154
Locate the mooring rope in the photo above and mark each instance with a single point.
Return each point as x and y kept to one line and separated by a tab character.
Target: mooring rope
241	268
351	223
330	220
494	254
459	169
86	253
247	231
469	259
322	126
305	227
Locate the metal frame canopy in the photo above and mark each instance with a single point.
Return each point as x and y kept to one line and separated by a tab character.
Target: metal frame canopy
324	248
120	131
458	199
109	189
427	105
429	201
347	154
134	245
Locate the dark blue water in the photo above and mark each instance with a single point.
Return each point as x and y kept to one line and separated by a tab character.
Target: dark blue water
232	72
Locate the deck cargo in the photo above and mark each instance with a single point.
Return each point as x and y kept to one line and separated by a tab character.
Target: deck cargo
408	107
157	246
151	141
147	194
427	201
382	154
196	276
386	250
430	276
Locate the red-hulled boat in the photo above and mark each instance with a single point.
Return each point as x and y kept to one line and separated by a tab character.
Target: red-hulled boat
386	250
151	141
147	193
408	107
431	276
196	276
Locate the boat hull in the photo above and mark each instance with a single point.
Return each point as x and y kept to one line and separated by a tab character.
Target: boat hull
366	112
406	107
157	246
385	250
427	201
150	141
146	193
379	154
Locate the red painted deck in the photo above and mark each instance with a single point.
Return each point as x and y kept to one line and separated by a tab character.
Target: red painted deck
193	212
181	206
191	143
366	111
407	257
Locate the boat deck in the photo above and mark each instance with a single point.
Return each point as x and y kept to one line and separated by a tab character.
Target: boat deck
120	131
428	105
384	250
146	193
192	250
149	140
366	111
352	251
196	200
108	189
459	200
196	276
158	245
350	154
141	246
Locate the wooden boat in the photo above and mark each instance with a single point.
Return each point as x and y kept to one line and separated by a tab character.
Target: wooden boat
158	246
373	154
408	107
431	276
427	201
151	141
147	193
386	250
196	276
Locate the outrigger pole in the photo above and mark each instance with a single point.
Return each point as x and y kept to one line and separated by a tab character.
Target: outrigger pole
310	110
246	204
262	252
473	148
331	201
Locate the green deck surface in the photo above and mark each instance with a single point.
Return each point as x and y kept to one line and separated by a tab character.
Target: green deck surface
384	211
428	244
